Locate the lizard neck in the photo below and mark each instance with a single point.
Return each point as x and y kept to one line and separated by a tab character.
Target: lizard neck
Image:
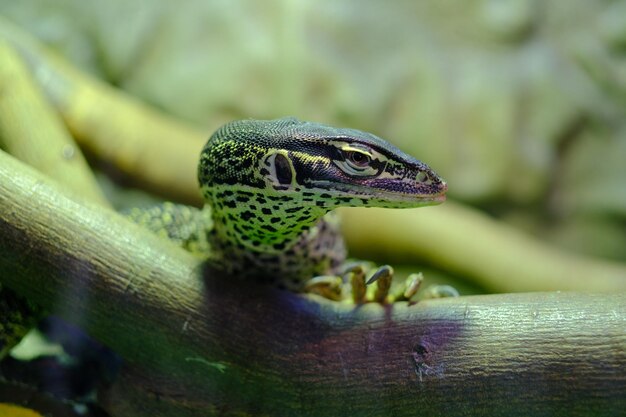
253	220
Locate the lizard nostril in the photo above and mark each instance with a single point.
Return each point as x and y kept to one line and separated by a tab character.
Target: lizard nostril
422	176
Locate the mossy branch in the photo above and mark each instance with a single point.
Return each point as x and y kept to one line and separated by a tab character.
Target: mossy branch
200	343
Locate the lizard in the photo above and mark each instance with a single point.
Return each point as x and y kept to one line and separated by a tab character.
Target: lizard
270	188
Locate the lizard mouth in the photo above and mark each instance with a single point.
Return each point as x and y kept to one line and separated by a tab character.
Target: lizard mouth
437	199
410	200
386	198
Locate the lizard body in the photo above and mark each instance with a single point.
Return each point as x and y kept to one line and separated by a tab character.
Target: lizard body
270	186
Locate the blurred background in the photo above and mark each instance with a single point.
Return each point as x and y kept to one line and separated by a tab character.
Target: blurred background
519	104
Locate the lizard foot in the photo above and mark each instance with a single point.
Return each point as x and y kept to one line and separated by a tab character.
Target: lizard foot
360	282
364	283
352	284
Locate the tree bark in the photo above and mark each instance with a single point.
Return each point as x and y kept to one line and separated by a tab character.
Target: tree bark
197	342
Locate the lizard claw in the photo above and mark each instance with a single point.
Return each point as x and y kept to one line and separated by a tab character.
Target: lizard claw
412	285
328	286
382	277
439	291
382	272
356	277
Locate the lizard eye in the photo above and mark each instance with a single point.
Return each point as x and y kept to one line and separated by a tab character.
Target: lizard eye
357	159
356	162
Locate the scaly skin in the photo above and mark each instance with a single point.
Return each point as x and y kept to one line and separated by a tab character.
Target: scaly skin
269	187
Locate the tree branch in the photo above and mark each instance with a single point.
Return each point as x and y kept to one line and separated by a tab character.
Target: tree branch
200	343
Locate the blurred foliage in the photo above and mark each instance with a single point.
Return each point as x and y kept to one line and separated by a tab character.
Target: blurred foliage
519	104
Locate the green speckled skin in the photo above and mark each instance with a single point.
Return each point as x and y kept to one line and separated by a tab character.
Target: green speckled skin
186	226
269	186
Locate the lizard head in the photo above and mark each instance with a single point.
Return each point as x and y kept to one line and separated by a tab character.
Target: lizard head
310	164
269	181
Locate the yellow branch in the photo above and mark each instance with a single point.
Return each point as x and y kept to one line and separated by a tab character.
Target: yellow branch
31	130
151	147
